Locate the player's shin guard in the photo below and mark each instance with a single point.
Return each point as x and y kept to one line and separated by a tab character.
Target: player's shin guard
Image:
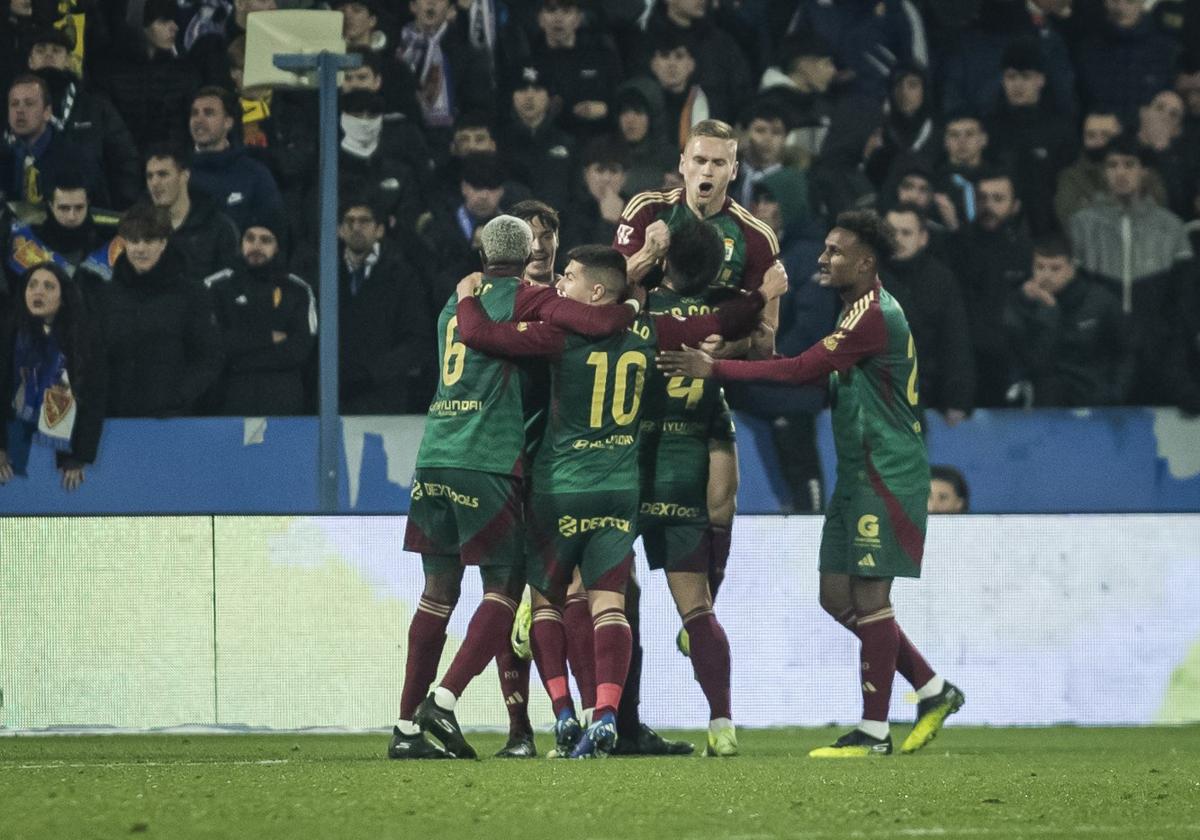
719	537
426	638
880	641
710	660
487	636
549	641
514	684
614	647
581	648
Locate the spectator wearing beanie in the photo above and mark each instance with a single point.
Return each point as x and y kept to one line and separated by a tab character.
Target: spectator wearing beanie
642	133
1033	139
268	322
87	119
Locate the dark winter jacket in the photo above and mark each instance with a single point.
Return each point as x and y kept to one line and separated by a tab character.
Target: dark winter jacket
53	154
93	124
590	71
1035	144
262	377
1074	353
152	92
386	338
869	37
207	240
243	188
541	159
163	345
722	70
930	298
1119	69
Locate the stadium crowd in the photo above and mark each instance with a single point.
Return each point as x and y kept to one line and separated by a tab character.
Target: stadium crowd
1038	161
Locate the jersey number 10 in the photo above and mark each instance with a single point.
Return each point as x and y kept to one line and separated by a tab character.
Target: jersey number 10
624	405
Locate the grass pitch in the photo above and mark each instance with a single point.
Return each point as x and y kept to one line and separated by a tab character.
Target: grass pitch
970	783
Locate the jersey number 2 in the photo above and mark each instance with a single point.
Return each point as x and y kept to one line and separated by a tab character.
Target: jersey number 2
454	355
911	392
629	362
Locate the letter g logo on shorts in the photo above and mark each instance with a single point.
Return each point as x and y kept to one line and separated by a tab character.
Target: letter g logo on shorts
568	526
868	526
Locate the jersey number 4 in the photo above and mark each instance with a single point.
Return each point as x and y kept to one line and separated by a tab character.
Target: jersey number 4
628	381
691	392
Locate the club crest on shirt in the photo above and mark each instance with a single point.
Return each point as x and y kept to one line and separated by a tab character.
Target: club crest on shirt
728	249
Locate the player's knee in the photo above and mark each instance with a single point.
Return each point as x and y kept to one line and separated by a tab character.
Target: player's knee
834	603
444	589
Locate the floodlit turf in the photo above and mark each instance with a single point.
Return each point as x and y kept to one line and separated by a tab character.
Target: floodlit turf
987	783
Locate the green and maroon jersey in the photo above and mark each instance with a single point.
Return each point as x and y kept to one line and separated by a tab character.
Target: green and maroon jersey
872	368
477	418
750	244
681	415
597	386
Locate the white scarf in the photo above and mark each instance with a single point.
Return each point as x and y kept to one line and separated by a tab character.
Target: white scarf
423	53
361	134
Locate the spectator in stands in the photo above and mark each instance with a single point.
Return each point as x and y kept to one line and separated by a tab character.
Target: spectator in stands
87	119
806	314
52	377
221	168
367	165
1082	183
386	321
870	38
1160	131
721	69
401	119
800	84
972	70
538	151
930	298
580	65
992	257
268	321
685	102
948	490
364	34
910	131
148	80
450	235
205	238
1067	334
641	130
838	178
163	345
760	153
1141	251
276	127
69	237
452	74
38	152
965	141
1187	85
594	214
1034	140
1126	63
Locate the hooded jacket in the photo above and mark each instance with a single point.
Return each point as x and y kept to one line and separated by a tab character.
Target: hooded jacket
655	155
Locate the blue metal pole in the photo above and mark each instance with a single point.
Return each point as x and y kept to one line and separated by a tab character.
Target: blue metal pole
330	422
327	65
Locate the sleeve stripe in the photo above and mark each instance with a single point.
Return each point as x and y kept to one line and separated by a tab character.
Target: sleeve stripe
312	302
758	224
856	312
640	201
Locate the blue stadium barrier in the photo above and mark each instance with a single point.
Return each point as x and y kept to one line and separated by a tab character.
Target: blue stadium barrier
1111	460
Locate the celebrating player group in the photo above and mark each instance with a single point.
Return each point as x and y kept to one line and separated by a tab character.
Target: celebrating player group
576	413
